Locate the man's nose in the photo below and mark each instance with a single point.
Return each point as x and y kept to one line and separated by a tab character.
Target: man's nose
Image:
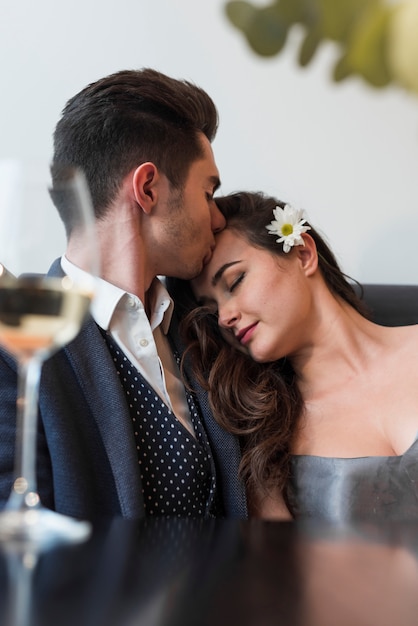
217	219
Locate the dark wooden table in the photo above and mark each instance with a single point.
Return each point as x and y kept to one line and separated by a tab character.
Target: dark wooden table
195	573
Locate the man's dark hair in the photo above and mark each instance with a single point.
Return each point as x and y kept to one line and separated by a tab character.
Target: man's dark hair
128	118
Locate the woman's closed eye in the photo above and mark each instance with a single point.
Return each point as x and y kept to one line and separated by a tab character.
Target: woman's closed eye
236	282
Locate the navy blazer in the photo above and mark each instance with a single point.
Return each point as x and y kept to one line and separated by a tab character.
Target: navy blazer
87	459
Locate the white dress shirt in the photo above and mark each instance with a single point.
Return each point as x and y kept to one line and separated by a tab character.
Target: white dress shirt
144	341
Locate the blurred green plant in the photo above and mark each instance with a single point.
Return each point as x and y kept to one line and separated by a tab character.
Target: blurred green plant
377	39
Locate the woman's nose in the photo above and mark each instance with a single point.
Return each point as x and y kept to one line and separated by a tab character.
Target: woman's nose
227	317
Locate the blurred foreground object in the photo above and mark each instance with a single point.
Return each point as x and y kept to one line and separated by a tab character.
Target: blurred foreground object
377	38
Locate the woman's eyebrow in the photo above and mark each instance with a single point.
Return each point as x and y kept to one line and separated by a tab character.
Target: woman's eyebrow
218	275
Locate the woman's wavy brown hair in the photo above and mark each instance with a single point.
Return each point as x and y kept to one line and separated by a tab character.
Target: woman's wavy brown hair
259	402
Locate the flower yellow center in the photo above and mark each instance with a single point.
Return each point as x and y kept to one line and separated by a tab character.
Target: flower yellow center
287	229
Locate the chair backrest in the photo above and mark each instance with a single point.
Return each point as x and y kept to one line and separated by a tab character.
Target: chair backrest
391	305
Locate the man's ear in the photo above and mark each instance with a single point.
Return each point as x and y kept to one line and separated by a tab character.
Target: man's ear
144	184
308	255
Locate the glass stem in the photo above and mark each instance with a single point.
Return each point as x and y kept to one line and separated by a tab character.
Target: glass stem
24	493
21	567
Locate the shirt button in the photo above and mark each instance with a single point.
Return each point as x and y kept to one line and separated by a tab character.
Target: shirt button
143	343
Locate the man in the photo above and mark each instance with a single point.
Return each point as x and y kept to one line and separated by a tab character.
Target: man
119	433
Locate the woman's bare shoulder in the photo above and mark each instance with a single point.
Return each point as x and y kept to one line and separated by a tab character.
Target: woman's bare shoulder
401	336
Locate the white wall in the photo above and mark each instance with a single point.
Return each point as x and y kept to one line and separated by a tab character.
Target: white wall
347	154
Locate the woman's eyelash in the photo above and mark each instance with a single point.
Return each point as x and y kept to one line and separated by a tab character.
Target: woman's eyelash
236	282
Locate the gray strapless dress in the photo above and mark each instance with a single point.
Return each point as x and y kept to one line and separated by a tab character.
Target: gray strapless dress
355	489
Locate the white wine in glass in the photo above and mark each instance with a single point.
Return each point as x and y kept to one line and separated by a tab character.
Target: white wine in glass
38	315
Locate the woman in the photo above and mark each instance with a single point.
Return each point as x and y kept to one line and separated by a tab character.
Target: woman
324	400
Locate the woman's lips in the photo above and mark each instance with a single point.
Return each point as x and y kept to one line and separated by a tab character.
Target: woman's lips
246	333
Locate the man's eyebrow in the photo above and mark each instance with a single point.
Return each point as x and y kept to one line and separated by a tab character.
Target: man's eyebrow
218	275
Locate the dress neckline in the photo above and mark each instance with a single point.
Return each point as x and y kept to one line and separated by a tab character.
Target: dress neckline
356	458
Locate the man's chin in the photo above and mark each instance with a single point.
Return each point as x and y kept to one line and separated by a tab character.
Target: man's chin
193	272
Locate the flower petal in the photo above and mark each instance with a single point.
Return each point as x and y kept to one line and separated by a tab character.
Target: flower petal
285	217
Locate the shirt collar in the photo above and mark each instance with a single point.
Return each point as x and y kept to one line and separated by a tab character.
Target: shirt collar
161	305
107	296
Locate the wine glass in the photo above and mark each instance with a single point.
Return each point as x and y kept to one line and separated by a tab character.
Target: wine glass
38	315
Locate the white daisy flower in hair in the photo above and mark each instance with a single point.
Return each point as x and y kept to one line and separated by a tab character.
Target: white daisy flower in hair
289	226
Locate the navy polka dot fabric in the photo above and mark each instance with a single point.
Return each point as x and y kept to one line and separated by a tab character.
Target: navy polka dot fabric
177	469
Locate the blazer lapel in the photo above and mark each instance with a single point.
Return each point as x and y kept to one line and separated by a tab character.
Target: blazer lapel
95	372
97	377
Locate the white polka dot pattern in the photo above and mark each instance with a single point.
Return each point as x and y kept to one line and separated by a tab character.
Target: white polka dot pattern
177	470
